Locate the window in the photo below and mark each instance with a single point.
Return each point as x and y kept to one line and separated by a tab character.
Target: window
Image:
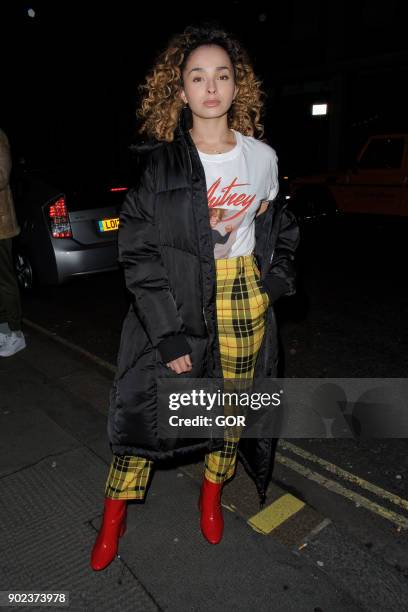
383	153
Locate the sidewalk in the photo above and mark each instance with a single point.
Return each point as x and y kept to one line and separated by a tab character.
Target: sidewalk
54	457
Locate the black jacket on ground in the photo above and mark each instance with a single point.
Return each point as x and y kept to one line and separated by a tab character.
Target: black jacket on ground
166	250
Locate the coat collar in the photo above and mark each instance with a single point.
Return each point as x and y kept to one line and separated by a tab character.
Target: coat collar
144	146
150	143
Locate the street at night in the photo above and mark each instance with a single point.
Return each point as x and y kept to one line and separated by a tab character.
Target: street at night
82	343
347	320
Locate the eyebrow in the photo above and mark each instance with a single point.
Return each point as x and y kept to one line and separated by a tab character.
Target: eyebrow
202	69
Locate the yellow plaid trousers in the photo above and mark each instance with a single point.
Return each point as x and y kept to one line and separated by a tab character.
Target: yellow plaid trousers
241	304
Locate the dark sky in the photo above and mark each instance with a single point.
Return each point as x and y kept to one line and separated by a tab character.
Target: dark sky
74	69
70	74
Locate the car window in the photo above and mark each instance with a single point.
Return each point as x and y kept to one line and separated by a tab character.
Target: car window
383	153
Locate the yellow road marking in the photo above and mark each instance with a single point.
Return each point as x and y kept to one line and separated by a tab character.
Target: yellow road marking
336	487
275	514
334	469
257	521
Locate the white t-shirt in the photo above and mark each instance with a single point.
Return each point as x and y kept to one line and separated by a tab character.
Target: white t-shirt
237	182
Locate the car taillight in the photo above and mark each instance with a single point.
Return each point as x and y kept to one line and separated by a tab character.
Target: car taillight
59	220
118	189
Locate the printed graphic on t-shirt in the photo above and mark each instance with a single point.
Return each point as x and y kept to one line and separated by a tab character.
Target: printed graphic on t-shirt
227	207
237	182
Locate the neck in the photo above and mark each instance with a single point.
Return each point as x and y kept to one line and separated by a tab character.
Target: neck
211	132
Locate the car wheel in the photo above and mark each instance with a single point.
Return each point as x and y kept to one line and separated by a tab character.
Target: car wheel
24	271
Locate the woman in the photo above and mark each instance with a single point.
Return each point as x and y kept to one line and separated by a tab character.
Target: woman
194	314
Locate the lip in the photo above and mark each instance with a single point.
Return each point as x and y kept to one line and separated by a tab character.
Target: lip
212	103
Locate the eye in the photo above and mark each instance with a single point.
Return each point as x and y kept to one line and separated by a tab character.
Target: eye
196	79
224	77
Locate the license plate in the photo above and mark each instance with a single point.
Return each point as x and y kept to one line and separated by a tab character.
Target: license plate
108	225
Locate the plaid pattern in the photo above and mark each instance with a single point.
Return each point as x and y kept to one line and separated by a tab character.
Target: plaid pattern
128	477
241	305
241	308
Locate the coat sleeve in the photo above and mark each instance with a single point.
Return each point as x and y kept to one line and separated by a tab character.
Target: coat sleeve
281	276
145	274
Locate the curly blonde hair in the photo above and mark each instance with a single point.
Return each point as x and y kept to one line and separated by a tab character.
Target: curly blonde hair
161	103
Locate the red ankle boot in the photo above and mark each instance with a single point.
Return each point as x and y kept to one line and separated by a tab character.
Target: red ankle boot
113	527
209	503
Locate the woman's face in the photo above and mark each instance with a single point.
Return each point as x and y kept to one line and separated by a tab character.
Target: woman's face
209	86
213	217
216	215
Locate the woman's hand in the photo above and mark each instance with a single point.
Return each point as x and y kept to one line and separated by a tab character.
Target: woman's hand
181	364
262	207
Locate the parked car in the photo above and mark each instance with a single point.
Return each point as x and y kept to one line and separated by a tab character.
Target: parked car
376	184
313	208
69	217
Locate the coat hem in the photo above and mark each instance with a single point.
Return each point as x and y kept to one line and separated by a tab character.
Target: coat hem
185	452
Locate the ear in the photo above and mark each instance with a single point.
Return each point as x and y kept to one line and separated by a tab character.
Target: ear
235	92
183	96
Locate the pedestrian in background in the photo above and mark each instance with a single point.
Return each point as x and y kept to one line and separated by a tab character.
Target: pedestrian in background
11	337
195	314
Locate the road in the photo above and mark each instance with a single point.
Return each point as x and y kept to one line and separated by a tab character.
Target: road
348	319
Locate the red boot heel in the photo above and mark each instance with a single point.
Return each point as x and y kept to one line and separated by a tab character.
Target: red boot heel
113	527
123	528
209	503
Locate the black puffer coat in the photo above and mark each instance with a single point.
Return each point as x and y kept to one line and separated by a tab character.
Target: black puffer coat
166	250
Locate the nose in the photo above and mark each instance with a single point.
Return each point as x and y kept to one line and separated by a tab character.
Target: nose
211	87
